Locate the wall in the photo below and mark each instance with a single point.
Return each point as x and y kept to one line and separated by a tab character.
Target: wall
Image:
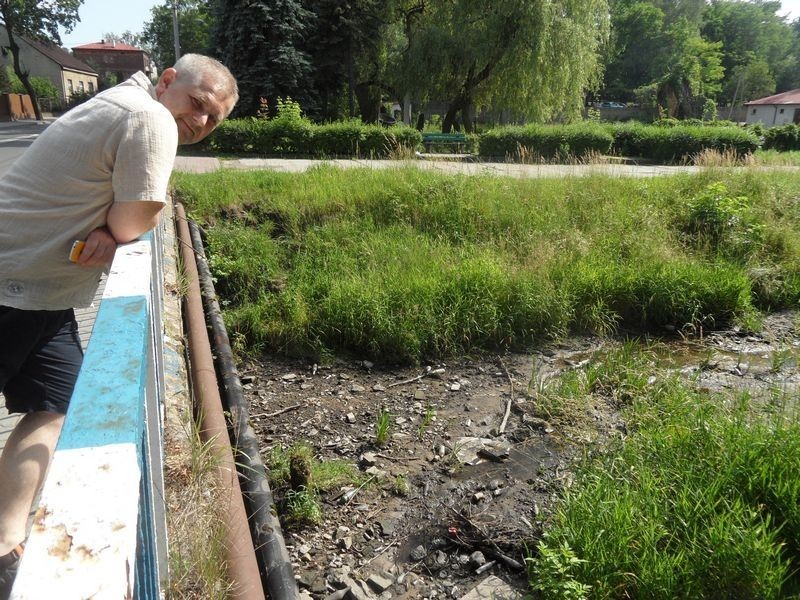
771	115
77	78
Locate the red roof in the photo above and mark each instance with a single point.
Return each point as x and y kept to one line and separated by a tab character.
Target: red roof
790	97
108	46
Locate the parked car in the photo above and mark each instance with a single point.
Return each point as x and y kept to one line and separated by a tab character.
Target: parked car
609	105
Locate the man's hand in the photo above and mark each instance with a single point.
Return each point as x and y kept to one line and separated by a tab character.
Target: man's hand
99	249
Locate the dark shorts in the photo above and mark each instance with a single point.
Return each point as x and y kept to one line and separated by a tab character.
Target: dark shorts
40	356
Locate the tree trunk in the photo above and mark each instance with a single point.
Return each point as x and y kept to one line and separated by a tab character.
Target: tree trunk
369	99
23	75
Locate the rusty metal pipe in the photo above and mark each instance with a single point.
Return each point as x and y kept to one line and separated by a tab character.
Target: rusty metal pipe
241	560
265	527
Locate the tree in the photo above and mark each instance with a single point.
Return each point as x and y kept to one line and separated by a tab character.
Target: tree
536	57
260	42
126	37
39	21
194	26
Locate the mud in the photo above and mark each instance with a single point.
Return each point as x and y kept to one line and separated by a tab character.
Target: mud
455	494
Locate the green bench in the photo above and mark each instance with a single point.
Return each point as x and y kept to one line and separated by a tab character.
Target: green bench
456	139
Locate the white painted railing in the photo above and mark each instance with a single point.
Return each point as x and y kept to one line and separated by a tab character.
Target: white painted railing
99	530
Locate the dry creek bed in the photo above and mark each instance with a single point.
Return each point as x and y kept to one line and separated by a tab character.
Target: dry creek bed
478	489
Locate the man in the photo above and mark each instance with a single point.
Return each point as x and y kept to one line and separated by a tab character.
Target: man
98	174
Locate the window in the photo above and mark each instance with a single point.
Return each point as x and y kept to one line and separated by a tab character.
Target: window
70	89
91	87
81	89
781	111
754	111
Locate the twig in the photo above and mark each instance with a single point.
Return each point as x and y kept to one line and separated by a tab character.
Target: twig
277	412
398	457
510	400
417	378
358	489
381	552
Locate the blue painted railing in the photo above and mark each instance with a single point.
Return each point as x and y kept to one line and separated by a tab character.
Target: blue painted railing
99	530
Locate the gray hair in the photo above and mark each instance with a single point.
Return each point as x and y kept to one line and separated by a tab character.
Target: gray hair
197	69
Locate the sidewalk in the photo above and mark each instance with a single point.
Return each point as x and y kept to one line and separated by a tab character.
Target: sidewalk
208	164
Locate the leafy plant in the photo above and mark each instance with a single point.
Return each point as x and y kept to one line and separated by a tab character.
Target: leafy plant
552	573
382	426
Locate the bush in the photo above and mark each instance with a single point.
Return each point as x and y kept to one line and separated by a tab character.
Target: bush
296	137
546	141
783	138
674	143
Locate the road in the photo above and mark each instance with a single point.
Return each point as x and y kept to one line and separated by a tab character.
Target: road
14	138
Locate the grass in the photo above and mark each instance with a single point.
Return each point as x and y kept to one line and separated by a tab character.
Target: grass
406	265
196	525
297	479
383	425
701	500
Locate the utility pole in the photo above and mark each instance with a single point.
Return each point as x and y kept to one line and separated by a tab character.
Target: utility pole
175	38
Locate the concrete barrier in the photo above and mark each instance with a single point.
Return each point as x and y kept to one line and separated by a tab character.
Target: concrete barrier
99	529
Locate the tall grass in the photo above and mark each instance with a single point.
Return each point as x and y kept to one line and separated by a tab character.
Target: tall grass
702	500
406	264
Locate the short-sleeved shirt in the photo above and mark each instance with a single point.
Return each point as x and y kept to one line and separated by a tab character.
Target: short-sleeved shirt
117	147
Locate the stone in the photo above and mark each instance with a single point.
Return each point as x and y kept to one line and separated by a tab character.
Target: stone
387	525
492	587
379	583
369	458
378	388
476	559
357	389
478	497
419	395
418	553
306	386
375	472
454	387
350	417
440	558
346	542
289	377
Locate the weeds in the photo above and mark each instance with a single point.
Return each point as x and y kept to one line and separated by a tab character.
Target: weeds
427	419
406	265
382	427
700	499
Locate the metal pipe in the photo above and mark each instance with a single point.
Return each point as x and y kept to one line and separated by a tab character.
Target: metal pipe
241	560
266	529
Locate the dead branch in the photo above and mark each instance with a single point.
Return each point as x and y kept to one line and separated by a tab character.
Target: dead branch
277	412
502	428
417	378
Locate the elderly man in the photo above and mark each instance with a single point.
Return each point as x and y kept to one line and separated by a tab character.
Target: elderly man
98	174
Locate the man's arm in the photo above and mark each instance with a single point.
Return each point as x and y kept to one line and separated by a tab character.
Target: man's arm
125	221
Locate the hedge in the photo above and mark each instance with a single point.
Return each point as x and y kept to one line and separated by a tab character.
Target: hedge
302	138
546	141
670	144
783	138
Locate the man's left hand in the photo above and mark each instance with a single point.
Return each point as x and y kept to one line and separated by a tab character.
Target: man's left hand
99	250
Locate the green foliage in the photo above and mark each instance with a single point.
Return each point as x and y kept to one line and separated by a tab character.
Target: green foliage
722	224
557	142
291	134
194	26
382	426
405	264
43	87
699	500
551	573
783	138
261	43
671	144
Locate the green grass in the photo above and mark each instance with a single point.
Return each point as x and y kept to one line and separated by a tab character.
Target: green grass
406	265
701	500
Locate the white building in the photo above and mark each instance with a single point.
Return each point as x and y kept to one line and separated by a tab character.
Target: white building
779	109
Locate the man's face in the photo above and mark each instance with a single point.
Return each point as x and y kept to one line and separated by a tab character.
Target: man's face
196	108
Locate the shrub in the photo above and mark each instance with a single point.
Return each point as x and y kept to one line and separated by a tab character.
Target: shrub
783	138
547	141
674	143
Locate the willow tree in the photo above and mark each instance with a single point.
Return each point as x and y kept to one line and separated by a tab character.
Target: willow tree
38	21
535	57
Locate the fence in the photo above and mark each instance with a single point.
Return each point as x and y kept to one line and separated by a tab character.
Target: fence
99	530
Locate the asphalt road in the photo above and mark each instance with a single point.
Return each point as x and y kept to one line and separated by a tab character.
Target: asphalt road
14	138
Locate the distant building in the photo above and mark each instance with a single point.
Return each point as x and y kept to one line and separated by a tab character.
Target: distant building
779	109
40	59
115	61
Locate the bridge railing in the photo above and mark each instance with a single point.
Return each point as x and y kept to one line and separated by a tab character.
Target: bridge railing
99	530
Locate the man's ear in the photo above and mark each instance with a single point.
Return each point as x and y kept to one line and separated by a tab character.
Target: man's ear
166	79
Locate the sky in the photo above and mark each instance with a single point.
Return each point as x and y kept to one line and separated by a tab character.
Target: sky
110	16
116	16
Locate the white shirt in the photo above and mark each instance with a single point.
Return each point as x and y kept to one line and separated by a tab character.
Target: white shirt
117	147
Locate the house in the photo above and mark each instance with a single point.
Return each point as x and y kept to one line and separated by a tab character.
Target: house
779	109
115	61
42	59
